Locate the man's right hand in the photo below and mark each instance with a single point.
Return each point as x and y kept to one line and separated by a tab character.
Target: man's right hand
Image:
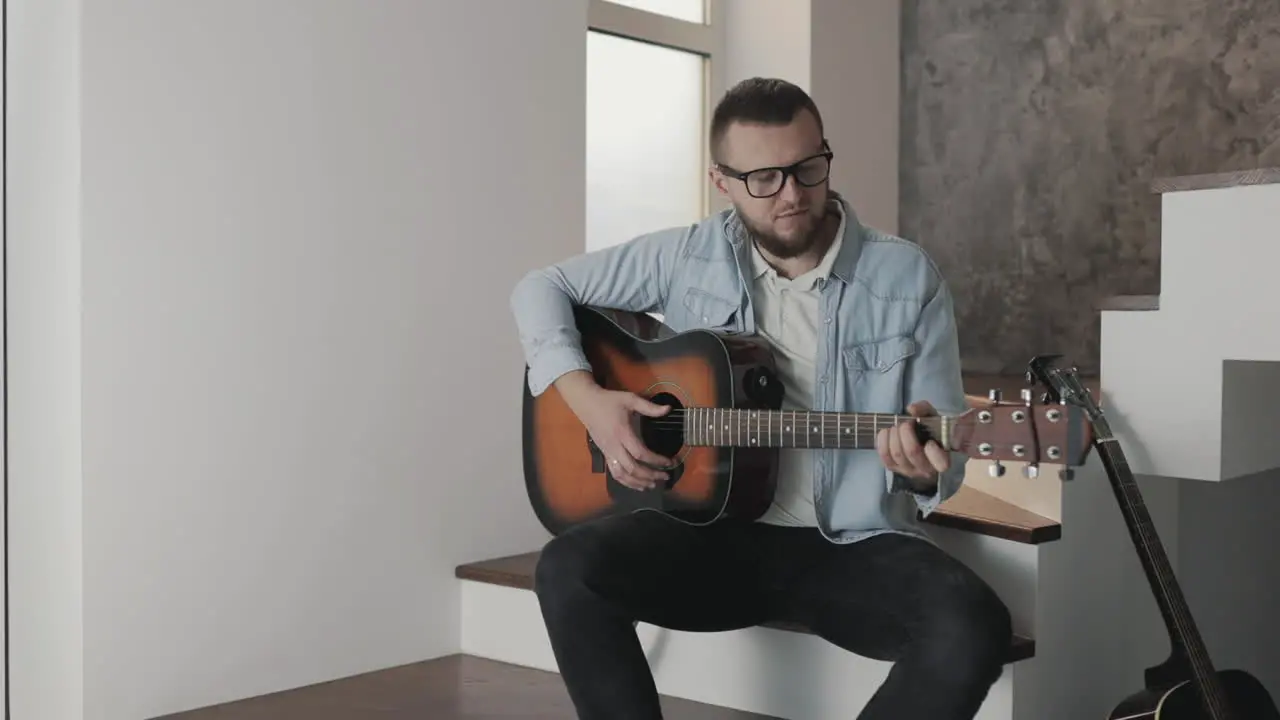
609	416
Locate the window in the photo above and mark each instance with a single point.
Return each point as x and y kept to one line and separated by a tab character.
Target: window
649	70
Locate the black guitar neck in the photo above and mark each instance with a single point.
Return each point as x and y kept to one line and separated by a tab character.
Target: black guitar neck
1189	657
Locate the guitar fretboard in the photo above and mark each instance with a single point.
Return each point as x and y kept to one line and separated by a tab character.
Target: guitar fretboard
727	427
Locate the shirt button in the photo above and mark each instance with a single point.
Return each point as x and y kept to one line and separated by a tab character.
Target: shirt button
827	320
823	379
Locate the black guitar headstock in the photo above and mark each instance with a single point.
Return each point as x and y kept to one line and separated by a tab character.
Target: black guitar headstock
1061	385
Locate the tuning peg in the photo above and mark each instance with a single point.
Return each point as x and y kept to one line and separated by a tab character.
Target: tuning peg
1026	395
995	469
1066	474
994	395
1031	471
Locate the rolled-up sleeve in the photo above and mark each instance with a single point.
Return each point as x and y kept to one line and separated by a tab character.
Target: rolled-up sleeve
633	276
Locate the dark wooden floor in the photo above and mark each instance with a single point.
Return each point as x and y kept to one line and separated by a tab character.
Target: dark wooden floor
458	687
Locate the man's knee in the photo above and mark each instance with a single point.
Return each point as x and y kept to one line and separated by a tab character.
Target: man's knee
975	630
562	570
992	626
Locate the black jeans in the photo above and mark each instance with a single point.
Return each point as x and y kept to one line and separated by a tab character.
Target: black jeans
890	597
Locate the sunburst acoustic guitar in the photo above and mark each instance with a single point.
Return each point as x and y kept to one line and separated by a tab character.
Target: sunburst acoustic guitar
726	425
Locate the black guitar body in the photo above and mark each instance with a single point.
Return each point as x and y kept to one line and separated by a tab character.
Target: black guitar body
1246	699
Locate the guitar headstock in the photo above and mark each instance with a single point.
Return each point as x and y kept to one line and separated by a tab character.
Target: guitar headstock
1049	430
1061	385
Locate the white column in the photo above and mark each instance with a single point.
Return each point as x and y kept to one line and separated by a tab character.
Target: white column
46	661
855	80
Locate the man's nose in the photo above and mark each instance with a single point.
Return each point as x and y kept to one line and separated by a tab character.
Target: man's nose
791	190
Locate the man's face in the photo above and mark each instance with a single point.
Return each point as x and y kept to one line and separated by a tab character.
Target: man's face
787	219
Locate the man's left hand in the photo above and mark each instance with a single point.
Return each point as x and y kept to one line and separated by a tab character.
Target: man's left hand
901	451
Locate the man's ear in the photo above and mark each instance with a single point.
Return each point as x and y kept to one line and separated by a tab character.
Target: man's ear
717	179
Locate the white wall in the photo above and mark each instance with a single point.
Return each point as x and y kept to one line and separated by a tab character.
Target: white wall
4	611
298	412
43	306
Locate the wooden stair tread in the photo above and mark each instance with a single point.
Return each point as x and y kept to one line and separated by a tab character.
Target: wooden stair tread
516	571
455	687
983	513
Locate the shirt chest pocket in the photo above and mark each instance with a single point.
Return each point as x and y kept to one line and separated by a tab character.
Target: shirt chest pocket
876	370
704	310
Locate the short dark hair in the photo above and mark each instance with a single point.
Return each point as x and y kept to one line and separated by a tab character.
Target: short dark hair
764	101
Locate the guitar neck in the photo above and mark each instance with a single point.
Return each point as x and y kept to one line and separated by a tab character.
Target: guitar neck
1185	637
730	427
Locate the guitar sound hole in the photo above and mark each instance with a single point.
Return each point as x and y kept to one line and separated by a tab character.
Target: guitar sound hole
664	435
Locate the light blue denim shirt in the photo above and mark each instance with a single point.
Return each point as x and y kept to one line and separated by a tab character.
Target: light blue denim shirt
890	340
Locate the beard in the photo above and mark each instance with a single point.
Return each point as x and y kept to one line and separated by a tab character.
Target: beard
796	243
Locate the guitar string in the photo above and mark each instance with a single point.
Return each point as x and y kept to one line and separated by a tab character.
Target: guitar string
1149	538
862	429
864	437
1181	617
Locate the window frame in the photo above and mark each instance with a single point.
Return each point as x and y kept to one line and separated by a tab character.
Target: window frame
704	39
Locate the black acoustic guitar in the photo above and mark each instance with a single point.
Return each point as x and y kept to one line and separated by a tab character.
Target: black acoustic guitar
1186	686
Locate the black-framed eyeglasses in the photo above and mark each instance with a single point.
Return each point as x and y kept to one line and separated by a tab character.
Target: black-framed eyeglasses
769	181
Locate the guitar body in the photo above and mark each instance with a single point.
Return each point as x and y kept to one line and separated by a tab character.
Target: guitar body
566	475
1246	697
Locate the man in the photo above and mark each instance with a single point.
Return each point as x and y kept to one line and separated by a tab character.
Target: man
859	321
